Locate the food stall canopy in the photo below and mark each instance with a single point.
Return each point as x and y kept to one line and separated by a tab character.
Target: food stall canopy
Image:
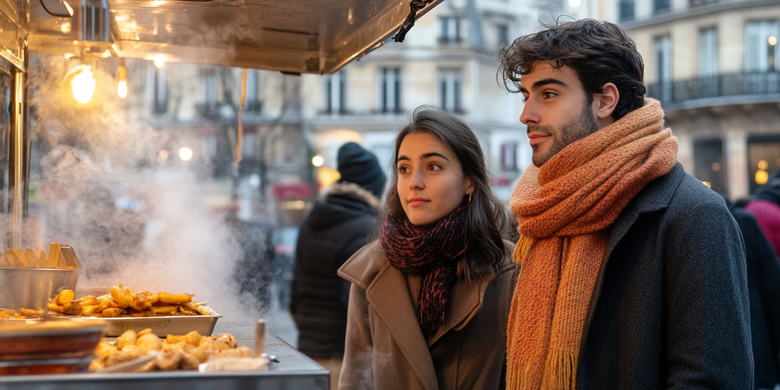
293	36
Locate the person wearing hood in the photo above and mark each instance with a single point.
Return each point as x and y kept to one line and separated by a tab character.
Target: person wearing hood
336	228
766	208
763	281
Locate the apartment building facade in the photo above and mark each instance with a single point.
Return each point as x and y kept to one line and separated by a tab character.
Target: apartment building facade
712	64
448	60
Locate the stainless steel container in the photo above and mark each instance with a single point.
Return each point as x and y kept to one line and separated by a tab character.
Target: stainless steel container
31	288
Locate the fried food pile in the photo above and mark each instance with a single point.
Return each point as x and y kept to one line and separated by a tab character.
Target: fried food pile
176	352
23	315
124	302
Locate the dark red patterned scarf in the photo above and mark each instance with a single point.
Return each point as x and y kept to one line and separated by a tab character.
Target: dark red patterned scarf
431	253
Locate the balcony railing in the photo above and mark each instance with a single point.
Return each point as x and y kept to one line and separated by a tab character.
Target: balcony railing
722	85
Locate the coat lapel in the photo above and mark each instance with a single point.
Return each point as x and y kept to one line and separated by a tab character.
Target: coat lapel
465	301
389	296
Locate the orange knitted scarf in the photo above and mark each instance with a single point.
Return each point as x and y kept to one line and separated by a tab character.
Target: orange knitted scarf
565	210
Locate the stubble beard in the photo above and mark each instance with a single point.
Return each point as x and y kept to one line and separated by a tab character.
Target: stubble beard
575	129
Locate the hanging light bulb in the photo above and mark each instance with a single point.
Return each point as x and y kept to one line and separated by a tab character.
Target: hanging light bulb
121	77
83	85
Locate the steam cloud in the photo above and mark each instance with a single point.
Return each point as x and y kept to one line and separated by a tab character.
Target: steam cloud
130	219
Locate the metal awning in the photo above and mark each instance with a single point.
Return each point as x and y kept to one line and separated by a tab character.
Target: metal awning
296	36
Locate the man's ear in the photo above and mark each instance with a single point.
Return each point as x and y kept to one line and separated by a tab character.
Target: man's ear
605	102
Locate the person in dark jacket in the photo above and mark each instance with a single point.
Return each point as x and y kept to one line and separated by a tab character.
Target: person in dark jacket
633	272
766	208
763	277
336	228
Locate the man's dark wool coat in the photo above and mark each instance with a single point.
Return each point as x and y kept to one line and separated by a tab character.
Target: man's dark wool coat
670	307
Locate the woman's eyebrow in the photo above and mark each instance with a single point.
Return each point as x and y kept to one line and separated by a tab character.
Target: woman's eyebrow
402	158
433	154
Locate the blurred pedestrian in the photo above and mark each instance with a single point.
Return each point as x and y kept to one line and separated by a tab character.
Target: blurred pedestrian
335	229
766	208
633	272
430	299
763	280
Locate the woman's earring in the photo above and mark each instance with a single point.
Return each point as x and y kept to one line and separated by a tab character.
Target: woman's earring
469	198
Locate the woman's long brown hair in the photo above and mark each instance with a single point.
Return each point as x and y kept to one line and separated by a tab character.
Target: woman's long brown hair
486	220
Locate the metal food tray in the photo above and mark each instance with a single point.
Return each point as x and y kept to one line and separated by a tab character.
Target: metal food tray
17	321
161	326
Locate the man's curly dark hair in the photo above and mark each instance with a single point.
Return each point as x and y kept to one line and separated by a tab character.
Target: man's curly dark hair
598	52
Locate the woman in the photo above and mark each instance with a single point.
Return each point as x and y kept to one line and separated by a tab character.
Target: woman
429	300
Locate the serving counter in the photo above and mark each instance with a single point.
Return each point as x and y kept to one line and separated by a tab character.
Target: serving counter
293	371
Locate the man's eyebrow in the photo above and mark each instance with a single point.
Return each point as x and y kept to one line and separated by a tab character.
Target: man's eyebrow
542	83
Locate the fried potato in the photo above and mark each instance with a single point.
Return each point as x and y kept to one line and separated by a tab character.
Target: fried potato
129	352
239	352
176	351
123	296
185	311
7	313
193	338
127	338
196	307
91	310
96	364
34	313
149	342
213	346
162	310
144	300
112	312
65	296
169	358
226	338
103	349
175	298
88	300
188	361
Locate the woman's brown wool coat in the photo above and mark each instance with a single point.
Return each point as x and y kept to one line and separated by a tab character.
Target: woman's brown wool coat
386	348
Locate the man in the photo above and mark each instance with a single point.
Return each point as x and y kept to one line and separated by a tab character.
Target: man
335	229
632	272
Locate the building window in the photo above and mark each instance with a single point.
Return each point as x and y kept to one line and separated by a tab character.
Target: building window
502	31
336	93
625	10
208	91
761	46
662	50
708	52
390	90
451	89
660	6
252	95
158	91
509	156
449	29
709	164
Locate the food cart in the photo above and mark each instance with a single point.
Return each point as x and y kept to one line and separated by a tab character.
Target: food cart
292	36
